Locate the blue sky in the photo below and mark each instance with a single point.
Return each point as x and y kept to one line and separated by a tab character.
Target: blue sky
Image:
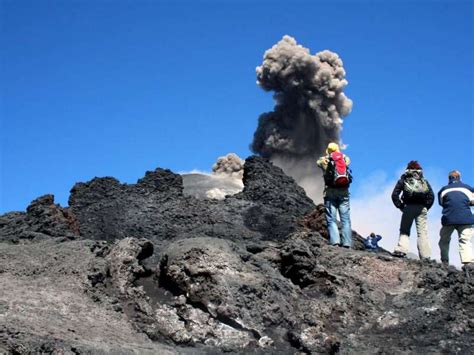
115	88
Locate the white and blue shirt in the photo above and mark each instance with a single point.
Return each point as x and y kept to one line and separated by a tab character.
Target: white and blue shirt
455	198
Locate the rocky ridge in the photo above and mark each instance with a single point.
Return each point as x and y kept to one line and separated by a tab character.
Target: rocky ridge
143	268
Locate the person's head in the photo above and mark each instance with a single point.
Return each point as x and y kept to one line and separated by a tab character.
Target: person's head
332	147
414	165
454	175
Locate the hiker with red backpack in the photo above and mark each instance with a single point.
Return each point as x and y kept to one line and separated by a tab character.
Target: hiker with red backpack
337	178
416	199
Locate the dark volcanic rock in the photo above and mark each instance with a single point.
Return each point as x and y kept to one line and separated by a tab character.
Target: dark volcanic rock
43	219
264	182
46	304
316	221
144	268
155	208
274	210
229	283
372	303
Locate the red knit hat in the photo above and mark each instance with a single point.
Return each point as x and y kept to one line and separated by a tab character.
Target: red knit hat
414	165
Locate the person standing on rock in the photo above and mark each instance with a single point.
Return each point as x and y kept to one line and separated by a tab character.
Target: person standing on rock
416	199
456	199
337	178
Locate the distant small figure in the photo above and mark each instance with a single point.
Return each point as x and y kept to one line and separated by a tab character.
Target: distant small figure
337	178
371	242
416	199
456	199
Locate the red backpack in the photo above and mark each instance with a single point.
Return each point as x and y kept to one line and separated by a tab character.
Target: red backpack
338	174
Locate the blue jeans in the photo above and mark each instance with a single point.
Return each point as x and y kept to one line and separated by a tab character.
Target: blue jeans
341	204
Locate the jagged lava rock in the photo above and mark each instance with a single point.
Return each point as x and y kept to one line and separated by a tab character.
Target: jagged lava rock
230	283
43	219
278	202
155	208
155	271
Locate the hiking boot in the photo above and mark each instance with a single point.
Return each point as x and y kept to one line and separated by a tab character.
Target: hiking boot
399	254
346	246
468	266
336	245
445	262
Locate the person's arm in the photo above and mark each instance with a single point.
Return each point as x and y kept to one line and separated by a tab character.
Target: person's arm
472	196
430	196
396	194
322	163
347	160
440	201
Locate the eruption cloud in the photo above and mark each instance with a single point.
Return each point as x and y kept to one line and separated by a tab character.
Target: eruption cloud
230	165
227	172
309	110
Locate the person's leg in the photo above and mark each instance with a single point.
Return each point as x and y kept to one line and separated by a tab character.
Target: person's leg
405	226
465	244
444	240
331	219
423	242
345	214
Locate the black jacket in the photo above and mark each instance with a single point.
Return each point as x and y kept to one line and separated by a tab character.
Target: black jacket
400	202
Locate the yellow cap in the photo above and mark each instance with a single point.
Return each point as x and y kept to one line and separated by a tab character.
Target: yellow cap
332	147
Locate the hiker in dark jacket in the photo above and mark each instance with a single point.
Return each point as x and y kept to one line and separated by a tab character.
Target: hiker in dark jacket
456	199
416	199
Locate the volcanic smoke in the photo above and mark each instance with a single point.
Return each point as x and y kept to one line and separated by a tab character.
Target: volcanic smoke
308	113
231	165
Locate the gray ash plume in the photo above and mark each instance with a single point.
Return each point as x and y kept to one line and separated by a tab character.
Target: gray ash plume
309	110
231	165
